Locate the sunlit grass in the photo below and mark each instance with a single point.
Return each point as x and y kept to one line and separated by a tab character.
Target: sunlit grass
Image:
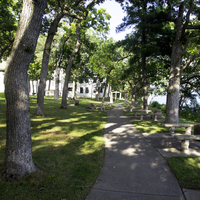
67	147
154	127
187	171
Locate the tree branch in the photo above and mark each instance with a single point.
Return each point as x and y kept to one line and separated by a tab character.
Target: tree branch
169	18
187	43
188	15
193	27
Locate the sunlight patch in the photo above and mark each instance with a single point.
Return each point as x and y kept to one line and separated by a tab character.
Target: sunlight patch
129	152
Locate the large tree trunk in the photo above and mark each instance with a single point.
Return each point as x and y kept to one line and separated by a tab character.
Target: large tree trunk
172	108
70	63
144	82
45	61
18	153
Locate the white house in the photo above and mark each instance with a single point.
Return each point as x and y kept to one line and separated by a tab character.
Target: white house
2	68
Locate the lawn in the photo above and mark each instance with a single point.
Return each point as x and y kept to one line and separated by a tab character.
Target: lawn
68	149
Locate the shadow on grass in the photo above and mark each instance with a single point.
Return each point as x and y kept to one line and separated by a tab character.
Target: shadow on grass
68	148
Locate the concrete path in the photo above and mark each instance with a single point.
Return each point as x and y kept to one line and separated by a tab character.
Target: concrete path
133	169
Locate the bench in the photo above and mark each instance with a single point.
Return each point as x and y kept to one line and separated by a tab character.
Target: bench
74	102
141	112
101	107
150	114
184	138
132	107
188	128
108	104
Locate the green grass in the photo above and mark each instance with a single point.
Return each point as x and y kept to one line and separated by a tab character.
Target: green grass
187	171
68	148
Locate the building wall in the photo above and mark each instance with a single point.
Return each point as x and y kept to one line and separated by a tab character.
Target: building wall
83	89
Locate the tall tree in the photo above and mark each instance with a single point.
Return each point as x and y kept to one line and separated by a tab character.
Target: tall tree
90	18
18	153
60	10
63	40
144	16
70	63
180	14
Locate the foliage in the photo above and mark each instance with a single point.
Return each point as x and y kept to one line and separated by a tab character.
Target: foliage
155	104
68	148
9	17
191	111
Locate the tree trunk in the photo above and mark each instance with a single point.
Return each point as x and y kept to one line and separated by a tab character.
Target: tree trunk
144	82
74	89
37	86
172	107
172	111
97	89
33	92
104	92
57	81
71	60
18	153
57	76
49	88
45	61
133	93
111	95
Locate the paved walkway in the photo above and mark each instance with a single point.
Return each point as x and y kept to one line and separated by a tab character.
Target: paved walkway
133	169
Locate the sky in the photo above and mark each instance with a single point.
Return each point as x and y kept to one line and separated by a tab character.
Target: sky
117	14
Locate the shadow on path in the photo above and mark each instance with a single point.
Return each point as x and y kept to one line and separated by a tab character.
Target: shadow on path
132	169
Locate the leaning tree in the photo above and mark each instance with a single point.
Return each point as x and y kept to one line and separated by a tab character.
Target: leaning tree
18	153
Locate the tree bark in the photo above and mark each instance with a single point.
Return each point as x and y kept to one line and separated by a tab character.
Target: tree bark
172	107
33	92
57	76
70	63
104	92
57	81
49	87
18	153
172	111
181	23
97	89
45	61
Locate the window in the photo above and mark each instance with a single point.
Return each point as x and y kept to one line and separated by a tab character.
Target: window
70	89
101	91
81	89
86	90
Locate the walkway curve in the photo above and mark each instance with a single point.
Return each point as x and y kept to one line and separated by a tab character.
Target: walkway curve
132	168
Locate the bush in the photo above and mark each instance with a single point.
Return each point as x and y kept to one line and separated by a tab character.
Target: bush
155	104
191	113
